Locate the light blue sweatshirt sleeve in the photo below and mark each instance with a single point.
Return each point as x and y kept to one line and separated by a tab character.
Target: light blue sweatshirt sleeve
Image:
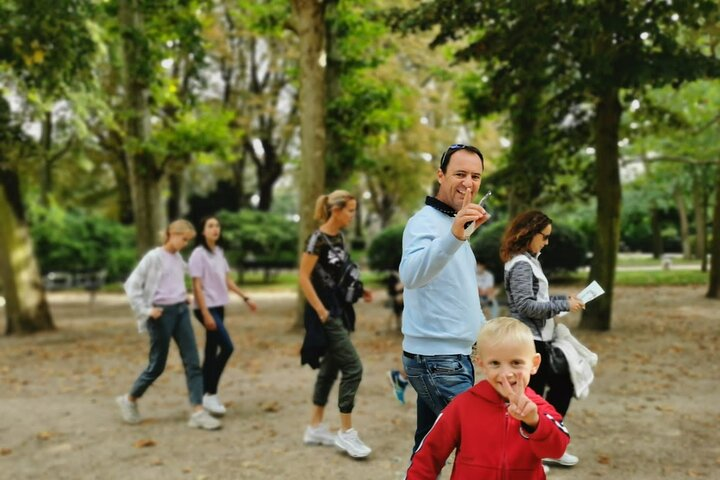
426	251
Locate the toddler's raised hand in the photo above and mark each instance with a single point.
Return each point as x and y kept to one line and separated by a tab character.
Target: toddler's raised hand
521	407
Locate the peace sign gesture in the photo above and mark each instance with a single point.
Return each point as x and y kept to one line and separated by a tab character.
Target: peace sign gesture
521	407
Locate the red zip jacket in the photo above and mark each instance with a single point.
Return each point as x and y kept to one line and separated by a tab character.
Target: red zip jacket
490	443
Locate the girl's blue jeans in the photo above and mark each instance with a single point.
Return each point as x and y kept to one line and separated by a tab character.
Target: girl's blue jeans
173	323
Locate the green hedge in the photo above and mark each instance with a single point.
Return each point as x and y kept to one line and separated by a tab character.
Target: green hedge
72	241
385	250
259	237
566	251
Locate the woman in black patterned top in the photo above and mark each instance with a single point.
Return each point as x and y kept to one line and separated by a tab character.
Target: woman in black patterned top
329	319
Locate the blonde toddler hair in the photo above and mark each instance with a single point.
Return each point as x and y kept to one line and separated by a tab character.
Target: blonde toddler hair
180	226
325	203
503	330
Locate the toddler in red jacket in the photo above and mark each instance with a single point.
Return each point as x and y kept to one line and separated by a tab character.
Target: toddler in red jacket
500	428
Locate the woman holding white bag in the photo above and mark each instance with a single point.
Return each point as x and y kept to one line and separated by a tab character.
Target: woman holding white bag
529	301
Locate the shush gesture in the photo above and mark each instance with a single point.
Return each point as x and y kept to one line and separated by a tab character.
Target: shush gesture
470	212
521	407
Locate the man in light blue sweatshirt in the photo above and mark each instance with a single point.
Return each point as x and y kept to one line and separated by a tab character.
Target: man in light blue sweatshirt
442	313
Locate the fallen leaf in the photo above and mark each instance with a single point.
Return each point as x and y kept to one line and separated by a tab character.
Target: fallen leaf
44	435
5	451
145	442
695	473
603	459
270	406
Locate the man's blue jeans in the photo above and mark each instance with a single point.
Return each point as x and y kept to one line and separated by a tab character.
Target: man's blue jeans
437	379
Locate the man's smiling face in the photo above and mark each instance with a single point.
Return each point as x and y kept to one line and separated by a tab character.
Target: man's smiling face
464	170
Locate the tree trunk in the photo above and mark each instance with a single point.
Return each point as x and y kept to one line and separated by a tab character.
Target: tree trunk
657	241
175	199
26	308
700	221
46	178
269	168
144	174
598	313
310	26
526	153
683	219
714	283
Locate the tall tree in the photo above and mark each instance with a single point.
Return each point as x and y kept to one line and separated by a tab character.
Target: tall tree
26	308
45	46
143	171
309	24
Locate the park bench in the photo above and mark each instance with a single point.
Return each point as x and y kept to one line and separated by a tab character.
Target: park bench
58	281
90	280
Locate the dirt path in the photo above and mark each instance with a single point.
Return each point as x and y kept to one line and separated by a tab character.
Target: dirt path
652	413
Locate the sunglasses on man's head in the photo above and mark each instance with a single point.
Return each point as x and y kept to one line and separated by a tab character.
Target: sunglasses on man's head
454	148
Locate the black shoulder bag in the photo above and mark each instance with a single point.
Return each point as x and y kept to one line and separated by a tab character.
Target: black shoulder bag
349	286
556	357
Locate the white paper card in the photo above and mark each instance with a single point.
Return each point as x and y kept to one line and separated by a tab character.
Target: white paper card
590	292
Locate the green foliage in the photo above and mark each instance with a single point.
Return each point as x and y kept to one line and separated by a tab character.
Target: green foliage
385	250
72	241
260	237
566	251
47	44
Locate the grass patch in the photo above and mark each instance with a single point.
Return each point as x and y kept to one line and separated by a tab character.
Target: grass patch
661	277
631	261
641	278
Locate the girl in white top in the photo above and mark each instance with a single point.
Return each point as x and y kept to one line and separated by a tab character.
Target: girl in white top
211	282
156	289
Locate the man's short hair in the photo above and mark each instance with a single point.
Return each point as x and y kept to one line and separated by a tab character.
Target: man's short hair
445	159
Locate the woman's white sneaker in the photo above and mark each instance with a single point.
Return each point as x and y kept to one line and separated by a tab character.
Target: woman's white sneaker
351	443
319	435
202	419
212	404
128	410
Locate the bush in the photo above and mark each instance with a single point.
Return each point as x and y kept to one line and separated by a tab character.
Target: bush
260	237
566	252
386	249
72	241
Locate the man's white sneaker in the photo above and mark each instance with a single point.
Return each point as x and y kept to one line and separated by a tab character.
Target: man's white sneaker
319	435
546	469
567	460
351	443
128	410
212	404
202	419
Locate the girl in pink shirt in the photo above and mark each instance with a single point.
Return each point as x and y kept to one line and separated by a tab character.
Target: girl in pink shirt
211	282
